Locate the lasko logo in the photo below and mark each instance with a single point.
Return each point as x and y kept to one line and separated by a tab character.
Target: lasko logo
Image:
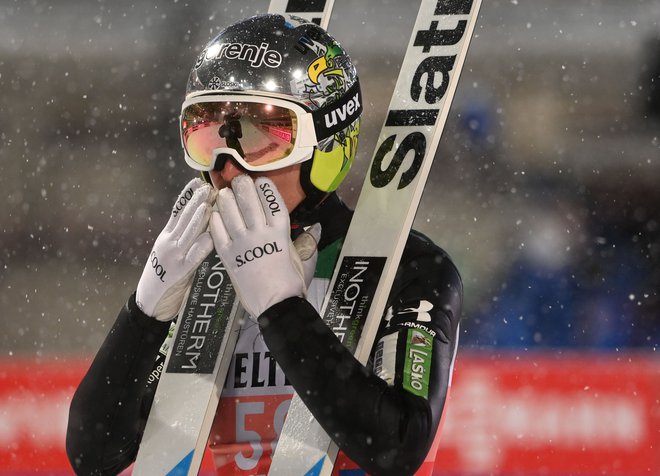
419	350
429	83
340	114
257	56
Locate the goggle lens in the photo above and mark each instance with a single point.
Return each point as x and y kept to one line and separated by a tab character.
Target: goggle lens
260	133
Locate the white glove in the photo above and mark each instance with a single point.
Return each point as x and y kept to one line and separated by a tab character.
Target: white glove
178	251
252	236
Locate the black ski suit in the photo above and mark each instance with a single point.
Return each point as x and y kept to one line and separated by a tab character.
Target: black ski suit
383	417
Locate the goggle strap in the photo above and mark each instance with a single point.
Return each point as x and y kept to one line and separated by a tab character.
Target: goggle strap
332	118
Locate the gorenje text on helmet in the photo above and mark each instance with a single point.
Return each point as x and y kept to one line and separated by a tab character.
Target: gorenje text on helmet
257	56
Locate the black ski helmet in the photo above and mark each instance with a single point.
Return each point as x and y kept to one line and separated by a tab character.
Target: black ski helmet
287	57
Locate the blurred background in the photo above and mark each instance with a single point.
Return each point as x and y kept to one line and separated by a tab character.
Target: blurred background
544	191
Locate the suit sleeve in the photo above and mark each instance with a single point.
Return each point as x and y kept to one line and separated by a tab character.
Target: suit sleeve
109	409
384	418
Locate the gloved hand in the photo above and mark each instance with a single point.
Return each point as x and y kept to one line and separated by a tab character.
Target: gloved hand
251	233
178	251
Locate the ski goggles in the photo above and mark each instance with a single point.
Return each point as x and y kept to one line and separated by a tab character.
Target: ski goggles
261	133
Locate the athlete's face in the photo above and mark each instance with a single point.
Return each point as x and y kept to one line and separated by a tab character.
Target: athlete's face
287	181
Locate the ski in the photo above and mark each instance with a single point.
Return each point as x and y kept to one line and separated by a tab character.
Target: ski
194	372
316	11
200	350
387	205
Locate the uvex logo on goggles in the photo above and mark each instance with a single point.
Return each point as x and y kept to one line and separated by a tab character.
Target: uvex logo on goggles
337	116
347	110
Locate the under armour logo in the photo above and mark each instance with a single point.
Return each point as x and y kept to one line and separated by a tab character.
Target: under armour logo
422	311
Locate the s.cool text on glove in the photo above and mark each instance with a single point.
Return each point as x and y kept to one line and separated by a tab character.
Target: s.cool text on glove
257	252
270	197
182	201
158	268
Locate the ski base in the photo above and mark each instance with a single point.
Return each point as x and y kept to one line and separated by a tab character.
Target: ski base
386	209
194	374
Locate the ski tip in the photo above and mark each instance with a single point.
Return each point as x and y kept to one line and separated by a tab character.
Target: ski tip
182	467
316	469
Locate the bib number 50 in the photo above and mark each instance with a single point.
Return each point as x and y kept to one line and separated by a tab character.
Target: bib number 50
243	410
